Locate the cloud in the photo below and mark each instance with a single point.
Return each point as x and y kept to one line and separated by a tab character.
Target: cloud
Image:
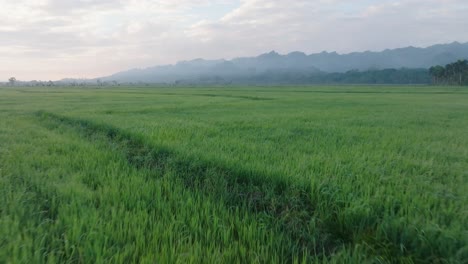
42	39
335	25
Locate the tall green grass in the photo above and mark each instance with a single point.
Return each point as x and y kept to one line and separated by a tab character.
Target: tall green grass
234	174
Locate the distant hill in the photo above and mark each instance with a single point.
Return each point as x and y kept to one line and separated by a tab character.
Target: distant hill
293	64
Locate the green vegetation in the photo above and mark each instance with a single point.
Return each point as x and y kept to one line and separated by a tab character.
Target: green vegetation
452	74
234	175
297	77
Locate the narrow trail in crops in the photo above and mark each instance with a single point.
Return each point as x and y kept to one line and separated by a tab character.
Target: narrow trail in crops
286	207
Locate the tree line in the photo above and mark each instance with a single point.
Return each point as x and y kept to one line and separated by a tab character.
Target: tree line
285	77
455	73
271	77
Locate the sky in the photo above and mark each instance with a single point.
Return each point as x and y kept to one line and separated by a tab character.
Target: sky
55	39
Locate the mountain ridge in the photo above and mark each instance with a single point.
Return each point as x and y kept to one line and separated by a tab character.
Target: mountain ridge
296	62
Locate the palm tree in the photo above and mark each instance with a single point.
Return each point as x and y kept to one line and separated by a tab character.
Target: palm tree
437	73
460	67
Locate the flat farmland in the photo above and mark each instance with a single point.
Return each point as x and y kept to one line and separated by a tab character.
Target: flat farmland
347	174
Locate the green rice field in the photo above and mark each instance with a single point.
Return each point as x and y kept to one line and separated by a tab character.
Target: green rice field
318	174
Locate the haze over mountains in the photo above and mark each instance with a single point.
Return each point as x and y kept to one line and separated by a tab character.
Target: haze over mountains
298	63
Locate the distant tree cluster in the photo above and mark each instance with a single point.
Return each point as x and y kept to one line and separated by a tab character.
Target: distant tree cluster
12	81
66	82
452	74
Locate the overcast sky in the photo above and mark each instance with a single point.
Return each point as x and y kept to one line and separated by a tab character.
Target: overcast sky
53	39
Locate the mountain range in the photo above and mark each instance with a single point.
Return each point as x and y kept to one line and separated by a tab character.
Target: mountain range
273	63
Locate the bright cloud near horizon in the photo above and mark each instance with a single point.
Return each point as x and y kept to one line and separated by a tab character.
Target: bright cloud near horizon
54	39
